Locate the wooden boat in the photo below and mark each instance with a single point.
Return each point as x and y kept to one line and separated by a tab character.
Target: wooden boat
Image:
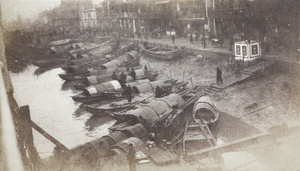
130	59
48	62
146	94
205	110
105	91
150	113
165	54
161	113
122	147
60	42
92	56
74	77
107	107
140	74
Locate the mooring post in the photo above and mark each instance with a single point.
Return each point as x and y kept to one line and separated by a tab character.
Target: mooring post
33	155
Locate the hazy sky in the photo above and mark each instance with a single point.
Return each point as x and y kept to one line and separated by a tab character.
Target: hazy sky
28	8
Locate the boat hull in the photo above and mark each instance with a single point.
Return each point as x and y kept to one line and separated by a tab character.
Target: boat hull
74	77
165	55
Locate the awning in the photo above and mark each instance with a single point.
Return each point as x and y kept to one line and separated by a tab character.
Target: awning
162	2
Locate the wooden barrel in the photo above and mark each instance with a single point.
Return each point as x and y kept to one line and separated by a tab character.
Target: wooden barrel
205	109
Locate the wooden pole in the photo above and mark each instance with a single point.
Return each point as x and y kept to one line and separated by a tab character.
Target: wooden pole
28	124
192	82
33	155
49	137
183	75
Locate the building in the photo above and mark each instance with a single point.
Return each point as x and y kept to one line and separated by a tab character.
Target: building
129	16
88	18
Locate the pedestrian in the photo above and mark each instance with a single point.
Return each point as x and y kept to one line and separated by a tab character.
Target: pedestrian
131	157
128	93
114	76
221	40
204	41
238	69
298	55
146	72
197	36
133	74
231	44
123	78
158	92
173	39
191	39
219	75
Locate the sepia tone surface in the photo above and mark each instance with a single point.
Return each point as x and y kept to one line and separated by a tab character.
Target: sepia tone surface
254	43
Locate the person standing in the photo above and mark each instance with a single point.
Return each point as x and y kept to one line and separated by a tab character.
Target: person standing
219	75
173	39
298	55
204	41
158	92
238	69
128	93
114	76
146	72
191	39
122	79
131	158
133	74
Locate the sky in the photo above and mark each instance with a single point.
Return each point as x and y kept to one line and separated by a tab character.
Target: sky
28	8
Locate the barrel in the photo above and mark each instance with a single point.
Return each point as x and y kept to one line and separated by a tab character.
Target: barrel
205	109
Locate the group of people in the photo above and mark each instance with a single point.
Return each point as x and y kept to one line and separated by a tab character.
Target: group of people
123	77
203	40
127	90
238	69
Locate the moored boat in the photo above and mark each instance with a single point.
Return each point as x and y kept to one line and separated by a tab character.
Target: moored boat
105	91
152	112
140	74
165	54
144	94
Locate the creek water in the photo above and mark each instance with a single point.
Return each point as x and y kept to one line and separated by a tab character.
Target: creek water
52	108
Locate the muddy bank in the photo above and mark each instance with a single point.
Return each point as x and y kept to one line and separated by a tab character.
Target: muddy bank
271	97
202	70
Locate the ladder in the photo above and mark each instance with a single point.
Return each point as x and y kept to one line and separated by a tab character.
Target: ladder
197	131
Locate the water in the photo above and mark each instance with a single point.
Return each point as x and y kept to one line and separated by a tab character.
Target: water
52	108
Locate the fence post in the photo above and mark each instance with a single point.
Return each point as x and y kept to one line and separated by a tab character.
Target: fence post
33	155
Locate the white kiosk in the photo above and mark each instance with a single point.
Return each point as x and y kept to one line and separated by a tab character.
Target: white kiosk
247	51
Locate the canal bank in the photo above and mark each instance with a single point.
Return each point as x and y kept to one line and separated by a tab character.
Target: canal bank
37	89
